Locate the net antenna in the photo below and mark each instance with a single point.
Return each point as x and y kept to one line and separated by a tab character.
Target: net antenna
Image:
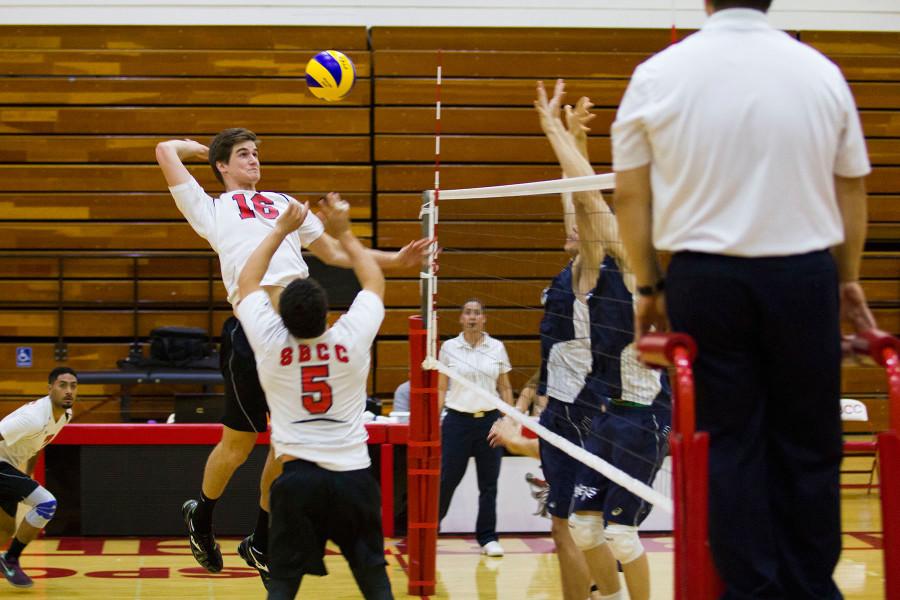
429	218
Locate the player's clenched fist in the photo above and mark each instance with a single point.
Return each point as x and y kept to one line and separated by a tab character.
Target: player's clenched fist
291	219
335	213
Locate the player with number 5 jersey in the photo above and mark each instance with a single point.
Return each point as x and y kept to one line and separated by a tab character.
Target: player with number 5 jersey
315	380
234	224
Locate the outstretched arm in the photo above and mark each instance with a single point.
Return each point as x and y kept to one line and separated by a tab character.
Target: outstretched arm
258	263
597	228
171	156
337	222
330	251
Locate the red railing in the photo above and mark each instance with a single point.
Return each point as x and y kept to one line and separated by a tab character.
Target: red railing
884	349
695	574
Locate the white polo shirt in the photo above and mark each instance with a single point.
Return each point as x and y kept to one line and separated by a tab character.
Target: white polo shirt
236	222
775	117
28	429
481	364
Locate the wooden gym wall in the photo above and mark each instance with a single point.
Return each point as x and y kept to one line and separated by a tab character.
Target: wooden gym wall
81	108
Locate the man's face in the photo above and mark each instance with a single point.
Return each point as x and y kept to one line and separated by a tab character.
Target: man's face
64	390
472	317
242	167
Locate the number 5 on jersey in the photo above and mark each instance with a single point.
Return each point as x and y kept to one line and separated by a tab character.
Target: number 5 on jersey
316	394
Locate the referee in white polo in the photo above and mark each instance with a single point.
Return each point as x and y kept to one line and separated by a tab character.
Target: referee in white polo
740	150
481	359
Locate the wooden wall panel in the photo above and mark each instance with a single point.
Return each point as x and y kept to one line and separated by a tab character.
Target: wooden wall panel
82	107
172	121
140	149
167	63
182	37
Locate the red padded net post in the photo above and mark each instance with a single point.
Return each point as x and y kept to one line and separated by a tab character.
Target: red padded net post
423	466
695	574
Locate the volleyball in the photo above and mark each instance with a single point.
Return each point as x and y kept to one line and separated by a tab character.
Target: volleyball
330	75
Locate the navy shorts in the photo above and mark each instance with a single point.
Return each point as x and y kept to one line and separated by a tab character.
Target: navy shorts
572	422
245	401
633	439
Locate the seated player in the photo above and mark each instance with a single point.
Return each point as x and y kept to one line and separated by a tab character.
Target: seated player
23	433
632	432
314	378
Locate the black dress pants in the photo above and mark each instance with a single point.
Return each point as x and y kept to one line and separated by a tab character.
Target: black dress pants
462	436
768	393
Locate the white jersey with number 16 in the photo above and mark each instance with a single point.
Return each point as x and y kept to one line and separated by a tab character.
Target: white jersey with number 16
236	222
316	388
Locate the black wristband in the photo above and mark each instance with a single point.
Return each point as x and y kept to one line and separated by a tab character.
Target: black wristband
652	290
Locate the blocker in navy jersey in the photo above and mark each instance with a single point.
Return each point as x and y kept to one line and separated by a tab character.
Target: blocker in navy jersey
614	374
565	362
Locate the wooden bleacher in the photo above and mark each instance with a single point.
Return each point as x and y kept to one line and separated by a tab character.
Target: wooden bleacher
88	226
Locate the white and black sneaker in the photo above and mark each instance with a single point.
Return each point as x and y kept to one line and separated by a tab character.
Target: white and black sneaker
254	558
203	545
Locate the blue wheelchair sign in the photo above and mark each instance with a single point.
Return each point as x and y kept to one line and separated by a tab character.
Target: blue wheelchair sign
23	356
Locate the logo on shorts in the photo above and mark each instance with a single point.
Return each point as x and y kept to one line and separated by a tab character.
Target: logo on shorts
584	492
616	511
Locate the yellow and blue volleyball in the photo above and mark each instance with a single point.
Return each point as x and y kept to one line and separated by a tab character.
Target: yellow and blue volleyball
330	75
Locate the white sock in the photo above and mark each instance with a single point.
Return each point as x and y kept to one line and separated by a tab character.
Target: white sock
616	596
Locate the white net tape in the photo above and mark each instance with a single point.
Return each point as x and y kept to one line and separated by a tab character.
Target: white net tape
607	470
534	188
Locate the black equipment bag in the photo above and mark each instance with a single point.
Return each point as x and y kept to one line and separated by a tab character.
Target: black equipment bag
179	346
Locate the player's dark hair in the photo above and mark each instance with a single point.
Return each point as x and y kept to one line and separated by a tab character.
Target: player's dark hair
475	300
221	145
55	373
762	5
304	308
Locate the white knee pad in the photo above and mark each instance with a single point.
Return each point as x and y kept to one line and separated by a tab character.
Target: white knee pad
43	507
624	542
586	530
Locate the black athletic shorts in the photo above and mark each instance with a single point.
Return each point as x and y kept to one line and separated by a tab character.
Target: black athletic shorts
311	505
245	401
15	486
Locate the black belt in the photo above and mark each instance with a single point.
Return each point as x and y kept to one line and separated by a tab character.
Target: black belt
473	415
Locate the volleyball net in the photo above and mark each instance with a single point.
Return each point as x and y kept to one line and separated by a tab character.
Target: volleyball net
509	275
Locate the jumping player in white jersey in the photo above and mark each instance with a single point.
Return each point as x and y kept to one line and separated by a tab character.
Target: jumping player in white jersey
23	433
315	381
234	224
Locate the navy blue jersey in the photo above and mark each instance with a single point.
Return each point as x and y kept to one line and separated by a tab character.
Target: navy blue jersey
596	361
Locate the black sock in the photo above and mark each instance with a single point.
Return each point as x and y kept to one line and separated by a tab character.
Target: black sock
15	549
261	535
203	514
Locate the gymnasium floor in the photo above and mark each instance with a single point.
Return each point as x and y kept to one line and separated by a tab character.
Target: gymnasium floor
151	568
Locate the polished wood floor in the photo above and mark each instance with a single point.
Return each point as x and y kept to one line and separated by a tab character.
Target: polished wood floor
151	568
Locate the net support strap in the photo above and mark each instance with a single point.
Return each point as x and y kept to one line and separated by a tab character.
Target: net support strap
631	484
